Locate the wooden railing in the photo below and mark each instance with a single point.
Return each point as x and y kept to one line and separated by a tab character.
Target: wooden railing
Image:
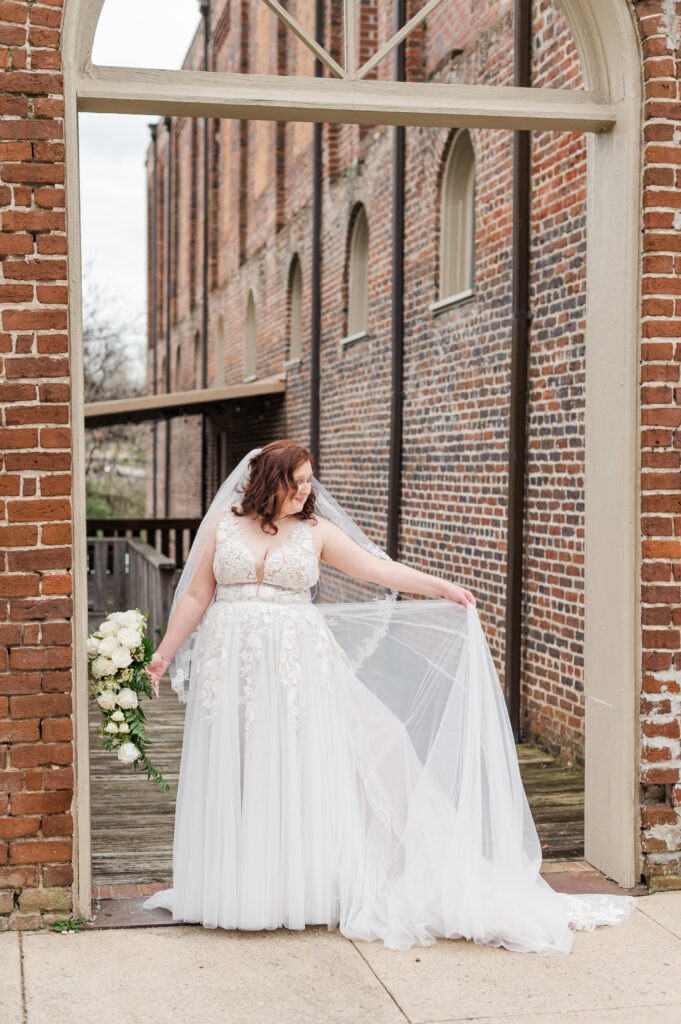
129	573
172	537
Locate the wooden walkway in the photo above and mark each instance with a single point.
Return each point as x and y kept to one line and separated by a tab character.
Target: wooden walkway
132	820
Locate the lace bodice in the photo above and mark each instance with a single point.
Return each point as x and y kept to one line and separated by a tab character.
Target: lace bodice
292	566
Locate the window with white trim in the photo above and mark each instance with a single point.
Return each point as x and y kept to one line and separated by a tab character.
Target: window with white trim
457	220
251	338
358	283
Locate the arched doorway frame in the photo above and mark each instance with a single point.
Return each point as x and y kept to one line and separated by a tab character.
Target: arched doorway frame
610	113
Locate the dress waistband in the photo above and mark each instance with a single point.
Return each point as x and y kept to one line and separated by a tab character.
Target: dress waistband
261	592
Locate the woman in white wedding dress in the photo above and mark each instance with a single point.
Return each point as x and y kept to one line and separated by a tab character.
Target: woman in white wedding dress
347	763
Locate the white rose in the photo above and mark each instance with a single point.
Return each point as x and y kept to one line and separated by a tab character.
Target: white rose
121	657
108	645
101	667
92	647
124	727
106	700
131	638
111	727
109	627
127	753
127	698
118	716
131	618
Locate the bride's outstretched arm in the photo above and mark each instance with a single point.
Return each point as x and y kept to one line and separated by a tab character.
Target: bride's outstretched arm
343	553
187	615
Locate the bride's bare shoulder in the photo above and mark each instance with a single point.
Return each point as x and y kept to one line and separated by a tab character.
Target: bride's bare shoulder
324	528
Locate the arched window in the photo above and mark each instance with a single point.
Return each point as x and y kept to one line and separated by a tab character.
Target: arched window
220	352
178	366
198	361
295	323
358	284
251	339
457	220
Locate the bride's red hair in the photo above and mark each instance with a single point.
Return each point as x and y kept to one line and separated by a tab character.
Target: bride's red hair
271	471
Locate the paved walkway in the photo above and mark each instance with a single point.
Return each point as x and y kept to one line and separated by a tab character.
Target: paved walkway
622	975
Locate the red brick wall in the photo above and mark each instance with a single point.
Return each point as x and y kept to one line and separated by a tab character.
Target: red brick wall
661	448
457	362
36	778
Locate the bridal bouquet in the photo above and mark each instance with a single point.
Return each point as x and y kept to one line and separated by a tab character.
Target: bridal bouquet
118	654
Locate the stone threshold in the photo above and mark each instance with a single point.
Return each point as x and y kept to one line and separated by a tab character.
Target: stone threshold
119	905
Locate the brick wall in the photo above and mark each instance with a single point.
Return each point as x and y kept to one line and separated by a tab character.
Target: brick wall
457	362
36	778
661	447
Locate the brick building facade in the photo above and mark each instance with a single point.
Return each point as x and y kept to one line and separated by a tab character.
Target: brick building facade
456	377
457	358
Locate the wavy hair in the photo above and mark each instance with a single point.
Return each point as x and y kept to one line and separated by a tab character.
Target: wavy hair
270	472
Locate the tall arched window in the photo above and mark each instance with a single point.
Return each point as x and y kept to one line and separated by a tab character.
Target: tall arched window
457	220
358	283
198	361
220	352
295	323
178	365
251	339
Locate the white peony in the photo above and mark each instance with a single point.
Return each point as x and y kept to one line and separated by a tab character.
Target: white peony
127	753
111	727
127	698
108	645
124	727
101	667
92	647
106	700
121	657
109	627
118	716
131	638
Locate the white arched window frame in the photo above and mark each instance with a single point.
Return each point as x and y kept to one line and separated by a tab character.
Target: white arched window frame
457	224
295	324
251	339
219	372
358	279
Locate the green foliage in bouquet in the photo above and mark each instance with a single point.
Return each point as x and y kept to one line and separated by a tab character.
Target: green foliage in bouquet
118	655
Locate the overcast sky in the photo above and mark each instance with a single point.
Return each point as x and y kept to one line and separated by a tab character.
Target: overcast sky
131	33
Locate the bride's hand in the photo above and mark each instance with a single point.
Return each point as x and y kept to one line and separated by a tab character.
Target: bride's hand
453	592
155	670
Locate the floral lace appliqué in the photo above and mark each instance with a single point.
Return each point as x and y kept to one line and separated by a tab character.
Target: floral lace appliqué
289	573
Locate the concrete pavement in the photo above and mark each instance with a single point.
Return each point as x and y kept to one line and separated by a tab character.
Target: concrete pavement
626	974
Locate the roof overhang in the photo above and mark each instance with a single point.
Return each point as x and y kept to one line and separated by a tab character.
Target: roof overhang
147	408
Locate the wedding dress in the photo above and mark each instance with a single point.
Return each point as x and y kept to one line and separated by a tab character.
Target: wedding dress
316	787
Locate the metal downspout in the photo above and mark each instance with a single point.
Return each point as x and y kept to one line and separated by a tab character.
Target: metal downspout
316	275
397	299
522	152
205	13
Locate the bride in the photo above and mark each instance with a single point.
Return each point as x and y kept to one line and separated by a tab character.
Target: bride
347	757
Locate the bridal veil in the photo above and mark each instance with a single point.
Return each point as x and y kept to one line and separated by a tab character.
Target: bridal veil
468	849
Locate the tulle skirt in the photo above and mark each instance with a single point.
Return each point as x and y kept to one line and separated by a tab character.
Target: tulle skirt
304	798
